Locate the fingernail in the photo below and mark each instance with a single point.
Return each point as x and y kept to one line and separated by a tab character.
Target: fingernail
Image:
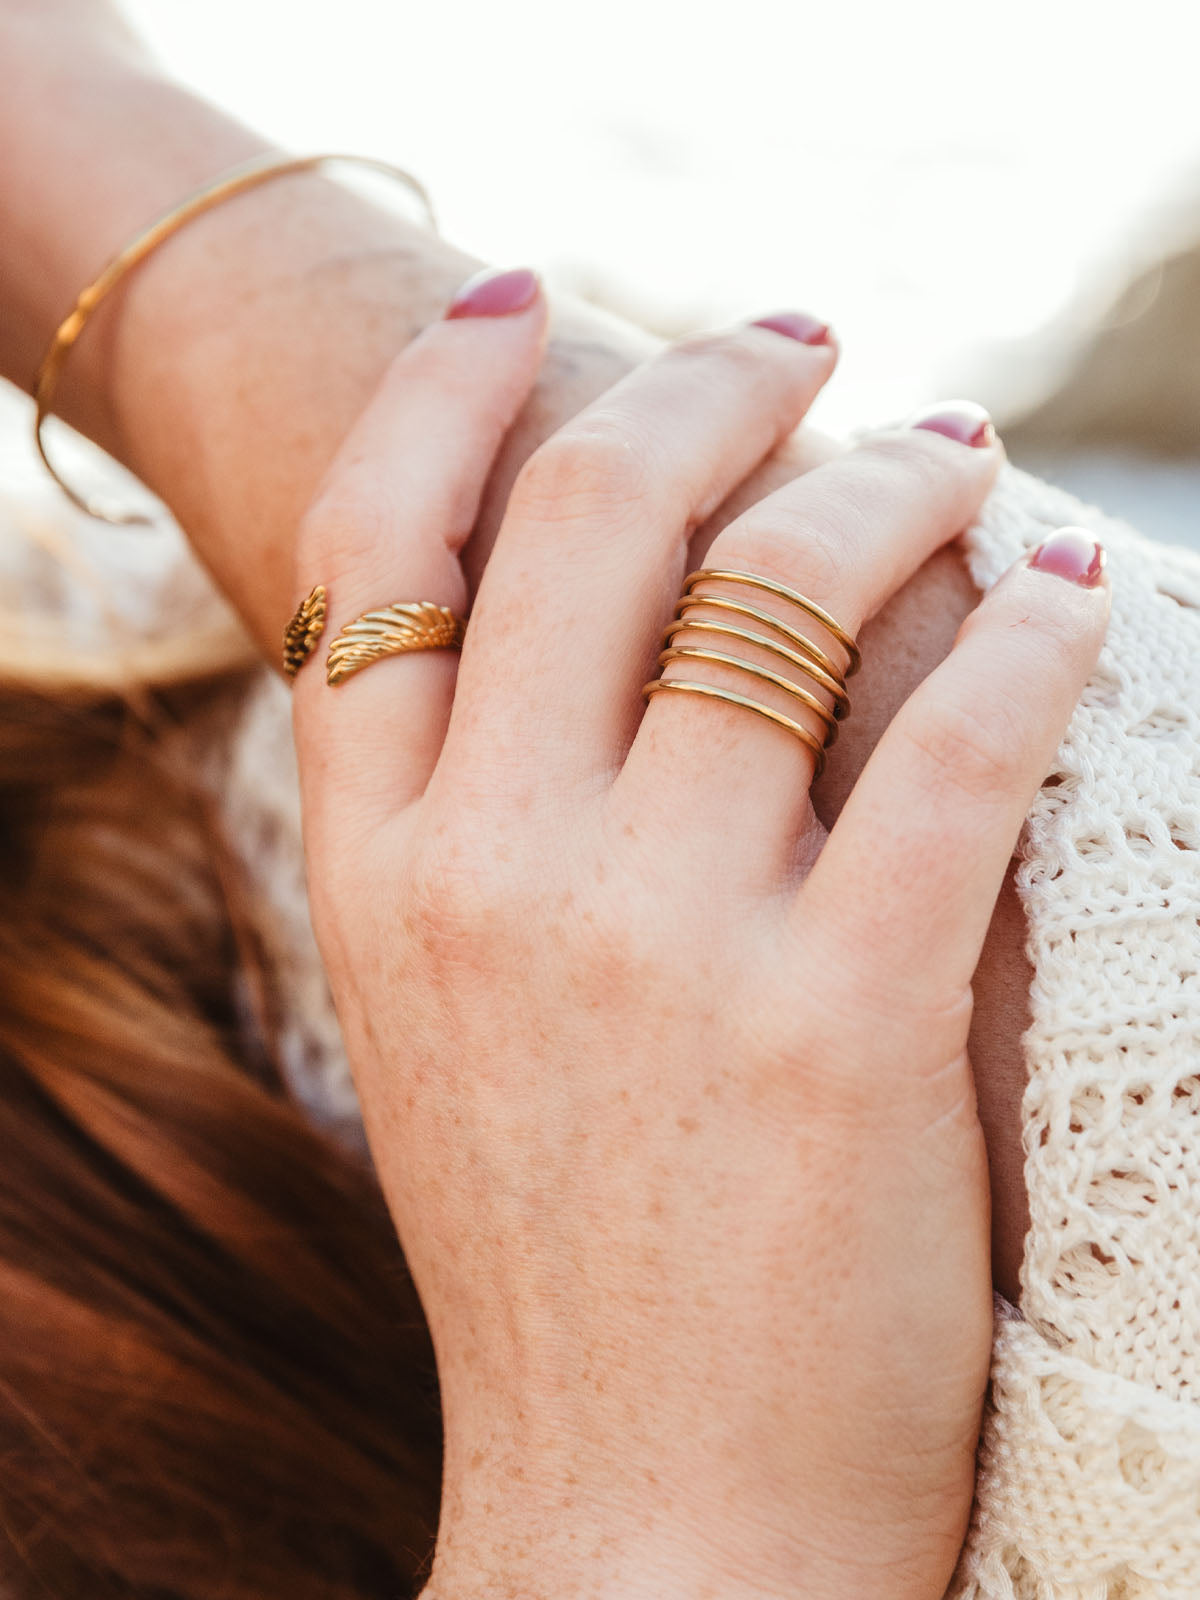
495	293
1073	554
962	420
797	325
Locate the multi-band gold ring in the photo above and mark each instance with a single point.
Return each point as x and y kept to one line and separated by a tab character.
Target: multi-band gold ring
803	654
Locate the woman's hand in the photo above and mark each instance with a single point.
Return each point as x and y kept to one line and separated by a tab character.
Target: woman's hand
668	1090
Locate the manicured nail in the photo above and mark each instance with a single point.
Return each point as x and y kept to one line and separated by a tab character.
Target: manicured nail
1073	554
962	420
796	325
495	293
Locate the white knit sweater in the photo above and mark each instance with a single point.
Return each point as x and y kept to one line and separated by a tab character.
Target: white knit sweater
1089	1482
1089	1485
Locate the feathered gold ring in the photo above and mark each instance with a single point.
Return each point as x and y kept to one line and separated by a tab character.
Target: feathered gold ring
782	642
302	632
392	630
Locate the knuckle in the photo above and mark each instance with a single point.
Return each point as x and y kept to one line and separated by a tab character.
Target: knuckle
614	959
807	1057
739	358
452	903
809	552
908	467
341	525
590	465
969	750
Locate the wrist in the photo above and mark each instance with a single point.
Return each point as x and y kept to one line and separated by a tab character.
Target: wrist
559	1555
133	145
570	1511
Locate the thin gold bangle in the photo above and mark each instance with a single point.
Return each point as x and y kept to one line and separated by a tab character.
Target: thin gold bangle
247	176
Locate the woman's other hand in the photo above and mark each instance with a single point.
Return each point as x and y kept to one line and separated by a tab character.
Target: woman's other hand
668	1090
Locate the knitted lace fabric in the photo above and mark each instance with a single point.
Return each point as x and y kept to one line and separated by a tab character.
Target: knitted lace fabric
1089	1481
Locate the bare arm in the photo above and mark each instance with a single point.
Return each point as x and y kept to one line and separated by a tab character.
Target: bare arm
232	366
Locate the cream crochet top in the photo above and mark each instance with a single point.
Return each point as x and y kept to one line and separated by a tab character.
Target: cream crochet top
1089	1473
1089	1483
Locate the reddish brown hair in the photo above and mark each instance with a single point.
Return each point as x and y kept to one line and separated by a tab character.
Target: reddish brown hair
215	1380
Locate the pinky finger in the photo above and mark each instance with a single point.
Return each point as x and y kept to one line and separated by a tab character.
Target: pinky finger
912	869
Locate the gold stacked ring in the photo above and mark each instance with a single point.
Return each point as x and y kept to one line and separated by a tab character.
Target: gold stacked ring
797	650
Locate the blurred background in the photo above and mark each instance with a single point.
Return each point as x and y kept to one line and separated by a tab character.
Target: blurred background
995	201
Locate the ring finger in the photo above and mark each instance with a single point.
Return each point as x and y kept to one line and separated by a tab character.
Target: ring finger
846	537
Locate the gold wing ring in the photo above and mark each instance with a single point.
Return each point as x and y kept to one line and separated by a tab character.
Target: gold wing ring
405	625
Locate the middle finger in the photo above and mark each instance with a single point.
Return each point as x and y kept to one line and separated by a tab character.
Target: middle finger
594	542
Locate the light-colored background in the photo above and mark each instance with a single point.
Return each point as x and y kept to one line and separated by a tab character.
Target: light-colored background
960	187
936	177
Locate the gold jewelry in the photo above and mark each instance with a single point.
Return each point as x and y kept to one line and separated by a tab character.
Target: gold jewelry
680	651
710	574
796	728
302	632
827	672
406	625
826	680
799	652
248	176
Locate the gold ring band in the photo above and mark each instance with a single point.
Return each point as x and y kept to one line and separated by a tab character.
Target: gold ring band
391	631
818	613
721	602
693	652
841	700
796	728
799	652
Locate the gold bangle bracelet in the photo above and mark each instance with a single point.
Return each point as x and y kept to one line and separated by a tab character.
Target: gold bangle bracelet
243	178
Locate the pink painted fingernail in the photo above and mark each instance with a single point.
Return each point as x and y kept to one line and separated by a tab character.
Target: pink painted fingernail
961	420
1073	554
797	325
495	293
